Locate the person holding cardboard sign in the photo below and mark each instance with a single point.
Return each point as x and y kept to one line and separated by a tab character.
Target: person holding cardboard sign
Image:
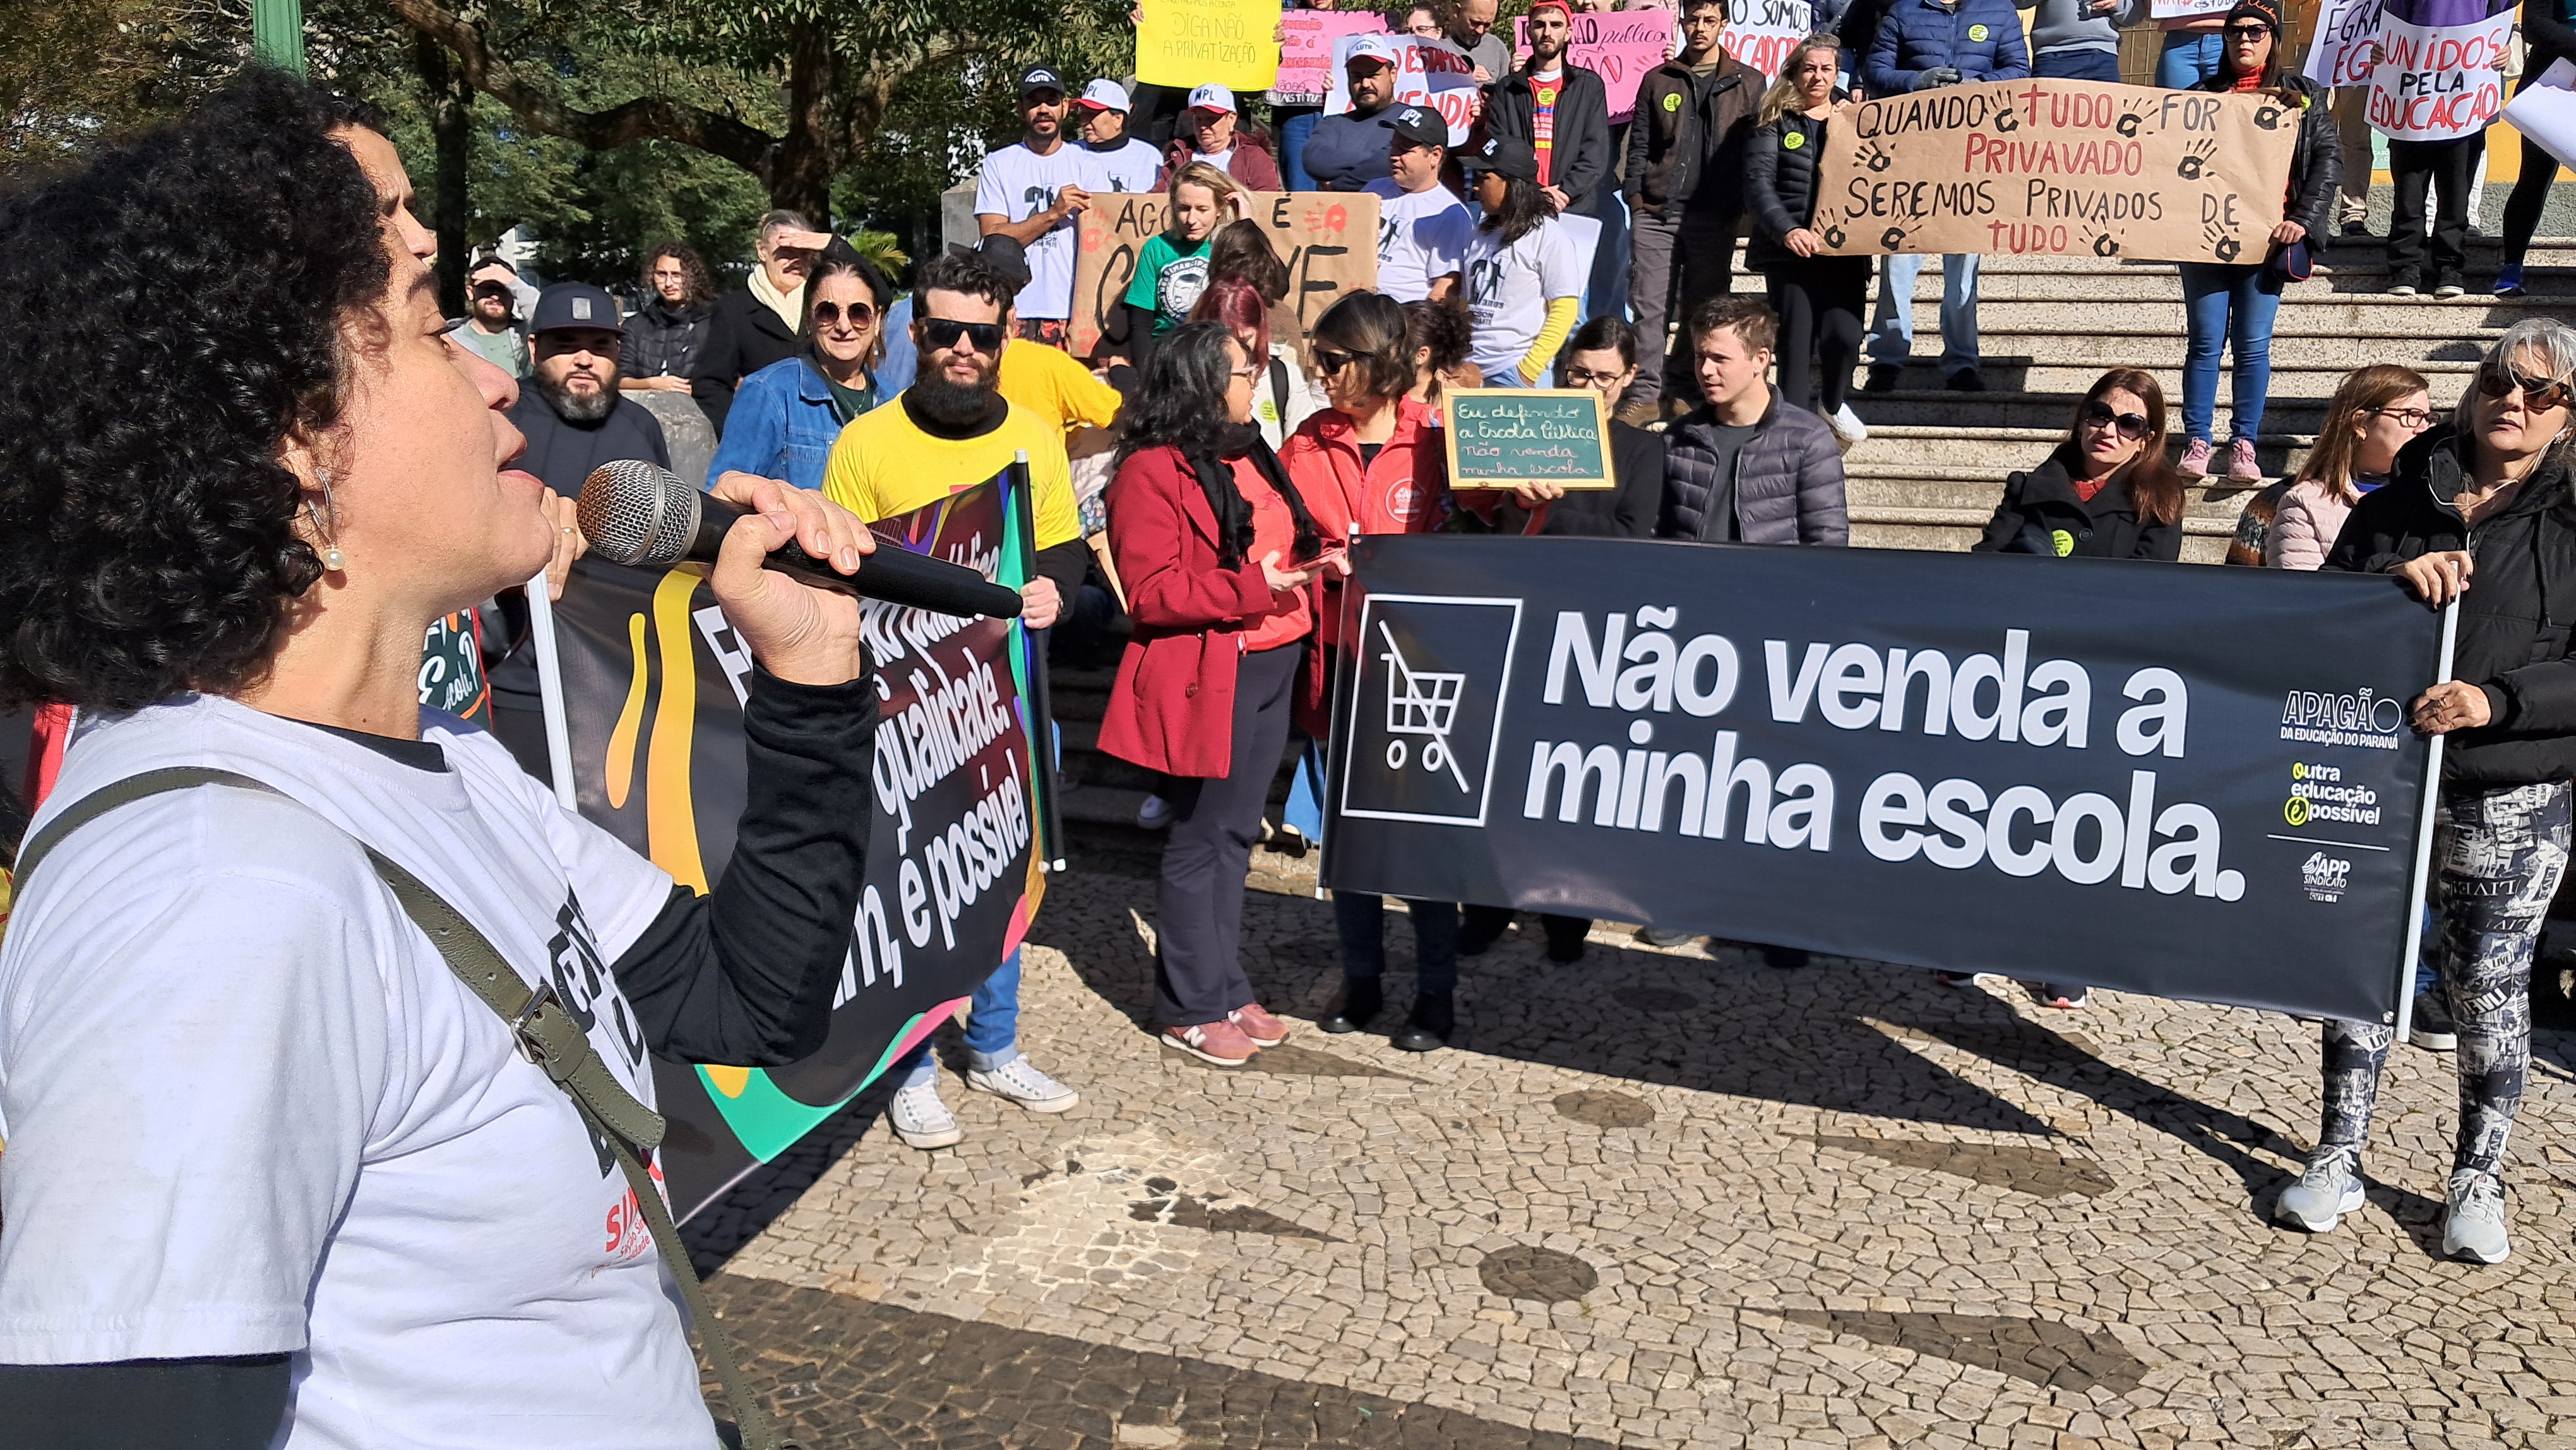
1819	298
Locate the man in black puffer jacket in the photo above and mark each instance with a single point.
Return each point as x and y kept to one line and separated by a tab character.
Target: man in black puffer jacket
1748	467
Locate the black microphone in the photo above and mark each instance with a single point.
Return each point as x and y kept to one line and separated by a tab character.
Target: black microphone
638	514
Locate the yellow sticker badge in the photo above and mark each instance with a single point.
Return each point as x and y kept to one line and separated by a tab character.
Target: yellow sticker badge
1793	140
1672	100
1978	32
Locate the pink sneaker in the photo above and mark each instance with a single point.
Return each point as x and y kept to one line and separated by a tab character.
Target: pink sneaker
2195	459
1256	1023
2242	465
1221	1043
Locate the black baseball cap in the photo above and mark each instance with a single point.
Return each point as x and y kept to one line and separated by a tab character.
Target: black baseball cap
1005	256
576	304
1507	156
1040	78
1417	125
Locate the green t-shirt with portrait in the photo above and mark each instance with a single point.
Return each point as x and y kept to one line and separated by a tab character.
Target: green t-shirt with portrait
1170	275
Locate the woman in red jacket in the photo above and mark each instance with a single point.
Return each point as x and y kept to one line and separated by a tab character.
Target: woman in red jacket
1372	463
1221	556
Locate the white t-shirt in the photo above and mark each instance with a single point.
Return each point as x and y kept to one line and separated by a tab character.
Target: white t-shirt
1422	237
1508	289
1016	185
1131	167
249	1110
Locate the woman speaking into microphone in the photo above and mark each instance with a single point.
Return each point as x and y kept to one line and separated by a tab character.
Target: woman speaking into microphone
282	1165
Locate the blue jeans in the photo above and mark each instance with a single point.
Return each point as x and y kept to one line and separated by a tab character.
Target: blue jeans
2078	65
1305	808
1296	123
2189	58
1606	294
2227	304
1891	324
1361	917
992	1028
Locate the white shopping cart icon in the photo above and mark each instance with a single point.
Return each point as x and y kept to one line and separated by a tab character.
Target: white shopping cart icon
1420	702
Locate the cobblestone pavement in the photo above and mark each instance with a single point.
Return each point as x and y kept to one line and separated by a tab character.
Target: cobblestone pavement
1652	1199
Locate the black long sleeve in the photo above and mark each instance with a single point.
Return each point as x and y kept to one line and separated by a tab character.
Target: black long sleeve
719	369
146	1404
745	976
1064	565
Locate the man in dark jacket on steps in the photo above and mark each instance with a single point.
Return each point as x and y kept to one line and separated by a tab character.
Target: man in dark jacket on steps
1561	109
1686	193
1748	467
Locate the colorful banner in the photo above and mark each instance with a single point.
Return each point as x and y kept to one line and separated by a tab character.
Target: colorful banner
655	680
2188	9
2339	54
1327	238
2058	168
2159	778
1306	60
1187	43
1434	74
451	668
1761	33
1620	47
2441	68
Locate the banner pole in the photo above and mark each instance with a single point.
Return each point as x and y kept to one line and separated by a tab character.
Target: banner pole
1041	702
2419	879
550	693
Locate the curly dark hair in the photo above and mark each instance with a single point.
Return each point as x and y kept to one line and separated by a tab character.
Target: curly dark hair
967	274
168	313
1444	328
1181	405
700	283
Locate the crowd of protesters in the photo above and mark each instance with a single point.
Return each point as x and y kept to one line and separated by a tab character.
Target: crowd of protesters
1199	476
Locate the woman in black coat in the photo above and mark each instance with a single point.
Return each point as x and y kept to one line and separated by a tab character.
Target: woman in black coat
2480	511
1820	299
2106	492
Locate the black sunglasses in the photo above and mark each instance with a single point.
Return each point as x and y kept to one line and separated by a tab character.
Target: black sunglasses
1328	360
942	332
2247	32
2538	394
2132	426
828	314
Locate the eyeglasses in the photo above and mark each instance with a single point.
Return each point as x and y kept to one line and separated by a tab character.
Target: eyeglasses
2538	394
1585	378
1247	372
828	314
2413	419
1327	360
2132	426
942	332
2248	32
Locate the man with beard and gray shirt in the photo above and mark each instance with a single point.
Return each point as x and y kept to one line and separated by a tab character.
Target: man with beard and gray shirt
570	406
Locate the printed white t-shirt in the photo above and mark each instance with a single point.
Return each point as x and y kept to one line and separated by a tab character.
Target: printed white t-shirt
1508	289
249	1110
1422	236
1016	185
1131	167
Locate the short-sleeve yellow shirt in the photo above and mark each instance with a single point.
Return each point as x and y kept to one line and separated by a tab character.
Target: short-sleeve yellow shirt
883	465
1049	382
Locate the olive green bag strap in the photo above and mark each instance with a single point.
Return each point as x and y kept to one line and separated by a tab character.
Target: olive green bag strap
546	1035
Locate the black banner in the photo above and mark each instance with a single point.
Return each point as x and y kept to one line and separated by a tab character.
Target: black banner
2179	780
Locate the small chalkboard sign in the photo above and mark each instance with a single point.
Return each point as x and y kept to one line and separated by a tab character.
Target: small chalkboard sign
1499	437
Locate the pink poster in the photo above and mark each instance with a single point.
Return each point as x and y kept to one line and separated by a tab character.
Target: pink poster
1306	56
1620	47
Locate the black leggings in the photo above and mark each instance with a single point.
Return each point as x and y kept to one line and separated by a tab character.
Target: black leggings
1820	301
2530	194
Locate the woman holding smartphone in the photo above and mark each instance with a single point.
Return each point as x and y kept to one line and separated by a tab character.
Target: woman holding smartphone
1221	557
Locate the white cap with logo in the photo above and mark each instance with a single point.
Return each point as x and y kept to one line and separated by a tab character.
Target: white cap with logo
1105	95
1212	98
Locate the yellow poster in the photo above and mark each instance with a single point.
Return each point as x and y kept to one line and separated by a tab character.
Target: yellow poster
1230	43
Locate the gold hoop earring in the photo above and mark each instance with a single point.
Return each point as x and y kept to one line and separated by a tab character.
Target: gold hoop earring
333	560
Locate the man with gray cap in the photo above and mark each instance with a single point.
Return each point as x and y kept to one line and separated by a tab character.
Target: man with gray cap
570	407
1127	164
1347	152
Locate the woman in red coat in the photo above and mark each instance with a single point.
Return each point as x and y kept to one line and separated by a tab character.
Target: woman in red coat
1220	556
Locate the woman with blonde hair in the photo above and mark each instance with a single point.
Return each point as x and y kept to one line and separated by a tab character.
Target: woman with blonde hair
1819	298
2376	411
1173	267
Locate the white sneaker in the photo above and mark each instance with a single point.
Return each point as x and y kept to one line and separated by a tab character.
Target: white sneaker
1021	1082
1154	814
2474	1228
921	1120
1848	423
2329	1189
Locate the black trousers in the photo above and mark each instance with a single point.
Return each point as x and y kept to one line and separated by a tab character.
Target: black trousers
1703	267
2530	194
2448	167
1198	963
1821	301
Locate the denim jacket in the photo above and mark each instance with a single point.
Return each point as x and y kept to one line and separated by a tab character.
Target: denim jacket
782	425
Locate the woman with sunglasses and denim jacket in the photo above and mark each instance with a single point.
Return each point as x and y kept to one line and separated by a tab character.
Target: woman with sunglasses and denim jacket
2479	510
2376	411
786	416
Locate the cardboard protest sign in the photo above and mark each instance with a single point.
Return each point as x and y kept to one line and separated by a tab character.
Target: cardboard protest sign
2440	71
1620	47
1306	65
2339	55
1761	33
1188	43
1327	238
2058	168
1431	73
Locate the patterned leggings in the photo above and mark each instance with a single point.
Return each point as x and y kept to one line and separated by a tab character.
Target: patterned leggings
2501	851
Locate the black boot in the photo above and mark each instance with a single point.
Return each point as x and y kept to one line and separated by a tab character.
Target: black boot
1479	927
1428	1029
1352	1009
